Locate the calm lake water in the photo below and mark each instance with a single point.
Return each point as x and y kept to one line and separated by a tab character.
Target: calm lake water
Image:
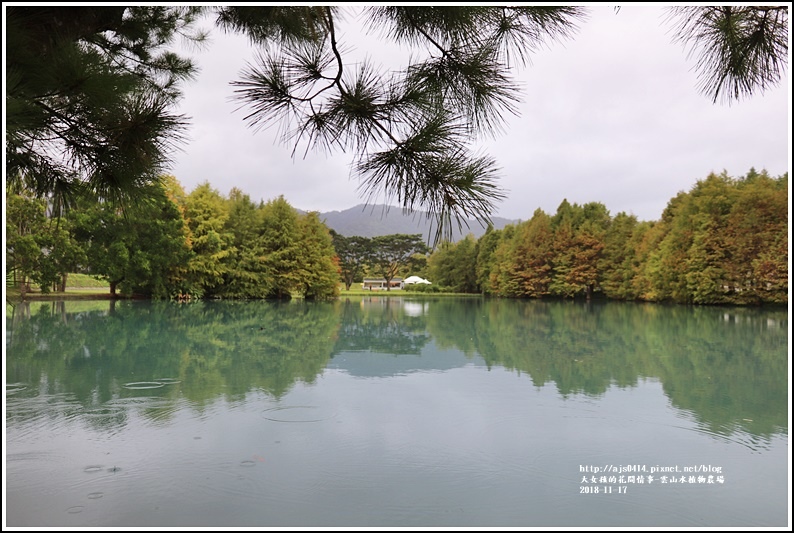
395	412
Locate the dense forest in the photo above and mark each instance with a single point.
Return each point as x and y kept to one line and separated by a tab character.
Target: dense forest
171	244
723	242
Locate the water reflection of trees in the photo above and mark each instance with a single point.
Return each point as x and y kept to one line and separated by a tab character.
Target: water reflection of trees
379	324
727	366
213	349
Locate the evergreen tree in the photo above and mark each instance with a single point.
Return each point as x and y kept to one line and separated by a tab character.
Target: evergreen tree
643	241
318	266
142	250
619	258
486	246
281	248
501	278
246	275
564	257
206	213
452	266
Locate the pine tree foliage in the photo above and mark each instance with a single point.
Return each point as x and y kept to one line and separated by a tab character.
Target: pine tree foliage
89	97
739	49
408	130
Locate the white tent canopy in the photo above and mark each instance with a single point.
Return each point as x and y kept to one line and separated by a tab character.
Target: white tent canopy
415	279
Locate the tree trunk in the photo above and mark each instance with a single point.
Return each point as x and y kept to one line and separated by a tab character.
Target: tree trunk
63	282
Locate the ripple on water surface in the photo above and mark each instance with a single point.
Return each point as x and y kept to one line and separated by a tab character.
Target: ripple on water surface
13	388
136	385
297	413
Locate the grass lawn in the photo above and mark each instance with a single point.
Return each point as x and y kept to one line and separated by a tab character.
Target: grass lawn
82	281
356	290
85	287
93	293
78	287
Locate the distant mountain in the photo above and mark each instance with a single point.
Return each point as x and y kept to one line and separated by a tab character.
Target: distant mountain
376	220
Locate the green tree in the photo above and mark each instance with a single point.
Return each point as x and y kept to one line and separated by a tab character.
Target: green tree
281	248
390	253
501	280
275	252
644	240
417	265
705	215
246	275
486	246
243	219
62	254
453	266
25	222
353	254
39	249
206	212
711	239
706	276
317	265
143	249
564	251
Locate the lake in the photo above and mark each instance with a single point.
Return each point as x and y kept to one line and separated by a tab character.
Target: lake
396	412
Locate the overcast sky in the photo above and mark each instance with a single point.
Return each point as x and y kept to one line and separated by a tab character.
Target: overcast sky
612	115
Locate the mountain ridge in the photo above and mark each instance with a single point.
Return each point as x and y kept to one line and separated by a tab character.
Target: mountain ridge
367	220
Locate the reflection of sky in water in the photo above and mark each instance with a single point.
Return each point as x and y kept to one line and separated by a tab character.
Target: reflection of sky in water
415	308
463	446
